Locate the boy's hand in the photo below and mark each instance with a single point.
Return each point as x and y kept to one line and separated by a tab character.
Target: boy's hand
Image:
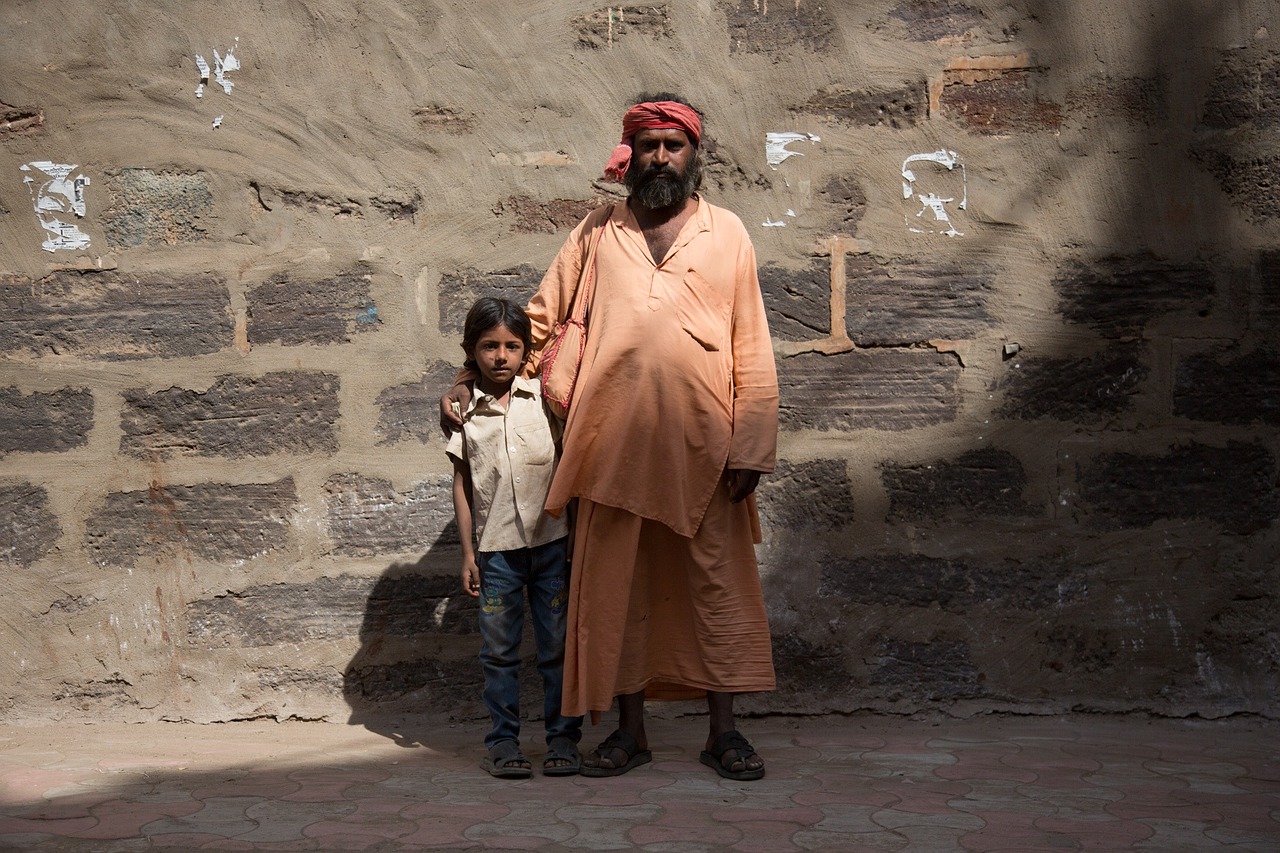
452	405
470	577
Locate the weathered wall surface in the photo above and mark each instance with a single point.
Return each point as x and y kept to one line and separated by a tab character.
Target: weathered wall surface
1022	272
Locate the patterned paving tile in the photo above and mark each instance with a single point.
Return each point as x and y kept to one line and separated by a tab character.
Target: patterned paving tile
873	783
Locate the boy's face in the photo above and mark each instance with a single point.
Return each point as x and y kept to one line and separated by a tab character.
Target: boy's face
499	354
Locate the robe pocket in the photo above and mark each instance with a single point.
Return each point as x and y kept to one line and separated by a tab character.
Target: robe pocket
703	311
536	444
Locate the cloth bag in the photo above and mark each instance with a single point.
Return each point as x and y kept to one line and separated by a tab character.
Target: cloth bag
563	356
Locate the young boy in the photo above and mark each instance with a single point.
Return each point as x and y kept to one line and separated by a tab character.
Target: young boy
503	461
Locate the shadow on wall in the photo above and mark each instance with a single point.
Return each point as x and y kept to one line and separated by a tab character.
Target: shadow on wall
418	642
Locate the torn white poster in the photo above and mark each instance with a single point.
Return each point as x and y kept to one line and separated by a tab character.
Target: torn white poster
60	194
204	75
222	66
775	146
936	191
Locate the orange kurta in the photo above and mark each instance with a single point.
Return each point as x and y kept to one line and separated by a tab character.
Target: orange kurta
677	384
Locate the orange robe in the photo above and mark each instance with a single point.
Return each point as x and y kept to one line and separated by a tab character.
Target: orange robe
677	384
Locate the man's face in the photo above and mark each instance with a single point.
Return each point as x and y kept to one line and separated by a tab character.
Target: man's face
664	168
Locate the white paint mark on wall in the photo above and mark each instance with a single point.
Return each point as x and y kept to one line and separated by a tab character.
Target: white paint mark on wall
769	223
60	194
775	146
936	191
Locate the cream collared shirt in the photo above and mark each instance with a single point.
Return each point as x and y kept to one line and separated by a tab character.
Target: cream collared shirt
511	453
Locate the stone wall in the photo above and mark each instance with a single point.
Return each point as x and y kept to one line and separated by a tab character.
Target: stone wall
1019	260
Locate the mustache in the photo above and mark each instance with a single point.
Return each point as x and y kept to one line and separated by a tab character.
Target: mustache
656	170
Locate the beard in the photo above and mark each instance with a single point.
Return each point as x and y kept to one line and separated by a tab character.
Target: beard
662	186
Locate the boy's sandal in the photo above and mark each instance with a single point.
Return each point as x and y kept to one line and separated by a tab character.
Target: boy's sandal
727	750
617	742
562	749
506	761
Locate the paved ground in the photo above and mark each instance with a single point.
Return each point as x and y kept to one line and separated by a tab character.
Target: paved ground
867	783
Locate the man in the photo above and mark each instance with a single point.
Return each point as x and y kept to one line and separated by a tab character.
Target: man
674	418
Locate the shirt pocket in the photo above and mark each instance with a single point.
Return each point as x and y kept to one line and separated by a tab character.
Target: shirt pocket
536	445
703	311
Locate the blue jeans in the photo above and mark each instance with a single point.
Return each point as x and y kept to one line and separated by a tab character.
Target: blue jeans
504	577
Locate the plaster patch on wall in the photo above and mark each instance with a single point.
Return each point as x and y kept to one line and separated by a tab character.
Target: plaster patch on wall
60	194
775	146
935	192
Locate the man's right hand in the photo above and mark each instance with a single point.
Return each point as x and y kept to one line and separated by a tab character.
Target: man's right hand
452	405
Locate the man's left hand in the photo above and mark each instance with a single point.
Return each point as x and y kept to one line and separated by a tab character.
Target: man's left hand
742	483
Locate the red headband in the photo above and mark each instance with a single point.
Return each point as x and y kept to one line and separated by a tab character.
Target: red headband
651	115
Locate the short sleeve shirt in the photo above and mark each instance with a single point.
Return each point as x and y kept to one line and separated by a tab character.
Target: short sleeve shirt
511	454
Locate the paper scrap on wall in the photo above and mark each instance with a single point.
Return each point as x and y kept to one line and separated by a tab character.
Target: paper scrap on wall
60	194
936	191
775	146
222	66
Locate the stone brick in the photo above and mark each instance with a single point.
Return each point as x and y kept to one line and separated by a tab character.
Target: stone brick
419	686
807	494
368	517
239	416
324	681
435	117
216	522
884	389
1118	296
155	208
906	303
1080	390
939	20
532	216
798	302
602	27
1234	486
30	530
901	106
1252	183
403	208
725	174
846	195
916	580
1245	91
458	290
412	411
810	668
1229	387
996	100
319	203
935	671
780	30
50	422
111	316
331	608
979	484
1080	648
26	120
97	694
1244	633
1265	308
1141	100
334	310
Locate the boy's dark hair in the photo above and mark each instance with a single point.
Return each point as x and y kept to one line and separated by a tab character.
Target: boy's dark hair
488	312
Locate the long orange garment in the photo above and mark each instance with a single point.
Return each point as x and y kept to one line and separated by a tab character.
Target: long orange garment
677	384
